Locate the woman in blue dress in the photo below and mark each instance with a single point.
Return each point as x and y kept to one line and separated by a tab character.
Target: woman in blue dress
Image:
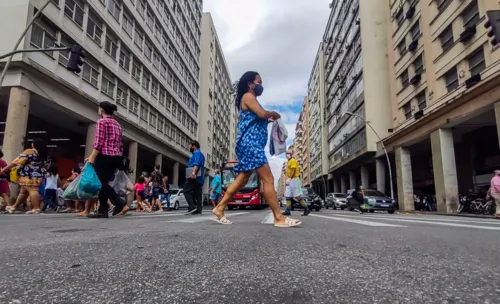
250	143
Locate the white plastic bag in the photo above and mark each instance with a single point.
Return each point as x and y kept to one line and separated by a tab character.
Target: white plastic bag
122	184
279	136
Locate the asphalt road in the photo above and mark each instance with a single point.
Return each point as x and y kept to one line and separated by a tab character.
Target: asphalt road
335	257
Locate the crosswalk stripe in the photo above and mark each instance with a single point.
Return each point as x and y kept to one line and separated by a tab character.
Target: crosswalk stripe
441	223
197	219
391	217
361	222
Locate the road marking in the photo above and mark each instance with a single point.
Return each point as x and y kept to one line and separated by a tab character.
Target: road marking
269	219
433	219
437	223
361	222
197	219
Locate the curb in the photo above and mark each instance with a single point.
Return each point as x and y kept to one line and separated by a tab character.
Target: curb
447	214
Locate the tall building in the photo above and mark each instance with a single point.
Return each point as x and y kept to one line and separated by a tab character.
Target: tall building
445	88
217	108
302	144
141	55
282	181
317	124
356	90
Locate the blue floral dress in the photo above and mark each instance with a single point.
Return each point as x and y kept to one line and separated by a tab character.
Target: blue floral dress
250	142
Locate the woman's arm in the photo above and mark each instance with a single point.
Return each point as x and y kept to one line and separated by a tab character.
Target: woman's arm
20	160
98	141
248	101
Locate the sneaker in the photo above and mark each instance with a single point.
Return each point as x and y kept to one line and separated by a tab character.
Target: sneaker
190	212
306	212
111	209
360	211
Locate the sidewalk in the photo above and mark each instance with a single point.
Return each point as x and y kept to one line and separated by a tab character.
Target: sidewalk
447	214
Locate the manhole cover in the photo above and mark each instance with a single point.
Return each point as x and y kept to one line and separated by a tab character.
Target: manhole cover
70	230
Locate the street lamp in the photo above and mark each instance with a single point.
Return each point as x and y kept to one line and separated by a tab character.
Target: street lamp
383	147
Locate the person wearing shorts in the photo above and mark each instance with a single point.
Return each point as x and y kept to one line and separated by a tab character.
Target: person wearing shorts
216	189
293	188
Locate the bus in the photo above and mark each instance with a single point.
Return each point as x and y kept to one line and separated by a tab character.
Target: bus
248	196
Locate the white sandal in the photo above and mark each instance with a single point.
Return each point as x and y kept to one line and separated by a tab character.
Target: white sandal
10	209
289	222
222	220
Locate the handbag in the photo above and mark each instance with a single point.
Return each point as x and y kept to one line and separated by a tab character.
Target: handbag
14	174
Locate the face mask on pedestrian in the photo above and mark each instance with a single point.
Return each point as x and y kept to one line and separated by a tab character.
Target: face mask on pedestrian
191	149
258	89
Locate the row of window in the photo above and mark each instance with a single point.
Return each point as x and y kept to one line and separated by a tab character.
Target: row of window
352	124
354	145
418	67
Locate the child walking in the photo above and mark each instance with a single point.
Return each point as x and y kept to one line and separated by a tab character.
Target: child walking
52	182
140	194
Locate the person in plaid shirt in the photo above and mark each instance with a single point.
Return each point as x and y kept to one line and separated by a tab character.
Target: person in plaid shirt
107	158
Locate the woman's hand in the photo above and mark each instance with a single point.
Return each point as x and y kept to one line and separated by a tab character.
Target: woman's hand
275	115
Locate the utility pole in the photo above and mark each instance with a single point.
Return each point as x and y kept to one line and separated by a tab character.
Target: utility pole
7	64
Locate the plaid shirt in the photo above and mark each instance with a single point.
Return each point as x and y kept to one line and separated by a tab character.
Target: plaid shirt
108	137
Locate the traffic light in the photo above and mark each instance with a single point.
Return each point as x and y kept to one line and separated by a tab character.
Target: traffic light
77	53
493	26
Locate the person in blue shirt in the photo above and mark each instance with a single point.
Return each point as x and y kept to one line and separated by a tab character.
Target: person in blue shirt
194	182
216	189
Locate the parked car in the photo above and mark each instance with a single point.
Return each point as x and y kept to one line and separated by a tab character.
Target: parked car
374	200
336	200
313	201
177	199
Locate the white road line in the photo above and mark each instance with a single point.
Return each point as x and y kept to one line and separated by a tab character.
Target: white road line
433	219
197	219
361	222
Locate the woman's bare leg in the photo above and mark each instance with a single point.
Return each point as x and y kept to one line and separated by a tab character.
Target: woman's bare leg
22	197
34	197
240	181
267	180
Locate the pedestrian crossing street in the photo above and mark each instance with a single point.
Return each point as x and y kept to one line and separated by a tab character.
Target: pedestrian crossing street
330	217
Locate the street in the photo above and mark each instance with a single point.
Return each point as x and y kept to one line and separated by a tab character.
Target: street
335	257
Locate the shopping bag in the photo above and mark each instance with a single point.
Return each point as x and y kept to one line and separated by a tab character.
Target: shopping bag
14	175
75	192
90	182
41	189
122	183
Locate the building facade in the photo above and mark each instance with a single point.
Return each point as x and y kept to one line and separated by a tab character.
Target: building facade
141	55
445	88
217	113
302	144
357	89
317	125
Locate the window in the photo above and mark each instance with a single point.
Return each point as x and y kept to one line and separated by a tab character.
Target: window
209	124
74	9
163	70
442	4
446	38
163	96
121	95
161	124
156	60
407	110
421	100
404	79
43	35
108	83
134	103
144	113
399	17
152	118
418	64
139	37
111	45
141	7
148	50
125	58
150	21
91	71
94	28
402	48
136	72
476	62
470	16
128	24
451	79
64	55
154	88
114	7
146	80
415	31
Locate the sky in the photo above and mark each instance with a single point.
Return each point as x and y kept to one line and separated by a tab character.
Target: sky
278	39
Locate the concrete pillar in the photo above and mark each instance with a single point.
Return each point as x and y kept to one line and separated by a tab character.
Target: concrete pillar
16	124
89	142
336	185
175	174
497	116
352	180
343	184
405	179
365	177
133	150
445	170
380	168
159	160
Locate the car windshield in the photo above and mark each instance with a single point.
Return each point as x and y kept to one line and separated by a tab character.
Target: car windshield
173	192
374	193
228	177
340	195
307	191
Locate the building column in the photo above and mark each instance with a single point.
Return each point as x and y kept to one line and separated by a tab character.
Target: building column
445	170
405	179
497	116
16	124
365	177
159	160
133	150
89	141
352	180
175	174
380	168
336	185
343	184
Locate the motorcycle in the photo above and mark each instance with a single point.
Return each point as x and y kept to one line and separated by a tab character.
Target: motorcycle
464	204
